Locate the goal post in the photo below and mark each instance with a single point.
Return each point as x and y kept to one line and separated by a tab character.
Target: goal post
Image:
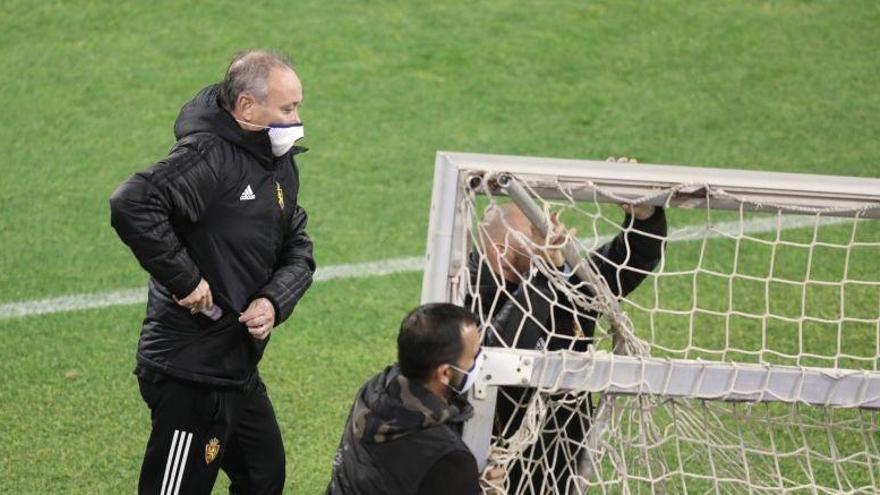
745	360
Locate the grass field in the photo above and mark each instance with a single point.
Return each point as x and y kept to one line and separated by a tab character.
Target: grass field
90	91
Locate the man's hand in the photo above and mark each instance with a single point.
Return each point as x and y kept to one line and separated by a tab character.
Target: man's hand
199	299
556	240
641	212
494	478
259	318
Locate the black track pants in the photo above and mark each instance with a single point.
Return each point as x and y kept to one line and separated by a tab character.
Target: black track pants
198	430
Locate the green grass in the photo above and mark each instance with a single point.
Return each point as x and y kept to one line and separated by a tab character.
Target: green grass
90	91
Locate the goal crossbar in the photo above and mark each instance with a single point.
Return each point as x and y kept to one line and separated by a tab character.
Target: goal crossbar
693	186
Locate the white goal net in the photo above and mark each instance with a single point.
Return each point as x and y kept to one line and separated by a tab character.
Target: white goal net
720	334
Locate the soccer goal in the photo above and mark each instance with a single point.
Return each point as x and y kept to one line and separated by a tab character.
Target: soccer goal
745	360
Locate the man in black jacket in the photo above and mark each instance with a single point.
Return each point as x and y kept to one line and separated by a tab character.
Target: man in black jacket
403	434
217	226
506	284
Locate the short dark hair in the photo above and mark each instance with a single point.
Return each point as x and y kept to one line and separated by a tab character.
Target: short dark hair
249	72
431	335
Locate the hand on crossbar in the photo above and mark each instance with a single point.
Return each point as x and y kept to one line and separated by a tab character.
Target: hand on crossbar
640	212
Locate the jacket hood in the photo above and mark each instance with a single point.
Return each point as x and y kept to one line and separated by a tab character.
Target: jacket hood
390	406
204	114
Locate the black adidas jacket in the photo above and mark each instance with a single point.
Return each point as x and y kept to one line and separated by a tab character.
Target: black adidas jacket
222	207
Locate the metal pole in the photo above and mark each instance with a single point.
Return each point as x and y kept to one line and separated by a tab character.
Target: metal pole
584	271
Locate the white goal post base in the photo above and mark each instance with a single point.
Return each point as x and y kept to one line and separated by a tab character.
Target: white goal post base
603	372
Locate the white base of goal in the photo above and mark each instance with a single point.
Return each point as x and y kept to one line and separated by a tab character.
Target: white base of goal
603	372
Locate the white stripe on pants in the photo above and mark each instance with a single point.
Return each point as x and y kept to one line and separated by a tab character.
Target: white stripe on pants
177	455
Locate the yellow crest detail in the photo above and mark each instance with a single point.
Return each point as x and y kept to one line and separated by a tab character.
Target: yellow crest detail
212	449
279	194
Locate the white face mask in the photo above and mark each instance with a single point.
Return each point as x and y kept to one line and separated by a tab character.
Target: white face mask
470	376
282	136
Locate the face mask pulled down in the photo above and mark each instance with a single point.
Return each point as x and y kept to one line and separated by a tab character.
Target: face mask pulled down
282	136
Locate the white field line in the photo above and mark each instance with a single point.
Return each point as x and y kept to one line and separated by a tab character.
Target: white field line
78	302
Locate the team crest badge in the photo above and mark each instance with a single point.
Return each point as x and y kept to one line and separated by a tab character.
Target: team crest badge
279	194
211	450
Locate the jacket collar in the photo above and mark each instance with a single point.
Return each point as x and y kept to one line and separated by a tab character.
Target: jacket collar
205	114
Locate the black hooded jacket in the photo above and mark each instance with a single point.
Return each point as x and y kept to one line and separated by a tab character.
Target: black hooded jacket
623	262
223	208
402	439
535	315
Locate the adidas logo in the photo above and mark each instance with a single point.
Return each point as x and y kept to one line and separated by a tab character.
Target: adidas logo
247	194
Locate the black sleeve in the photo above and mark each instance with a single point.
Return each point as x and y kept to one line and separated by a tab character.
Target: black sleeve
293	273
631	249
454	474
144	208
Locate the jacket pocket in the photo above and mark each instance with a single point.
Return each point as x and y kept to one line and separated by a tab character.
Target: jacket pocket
222	350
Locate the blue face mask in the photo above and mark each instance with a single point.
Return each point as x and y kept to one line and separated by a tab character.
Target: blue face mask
470	376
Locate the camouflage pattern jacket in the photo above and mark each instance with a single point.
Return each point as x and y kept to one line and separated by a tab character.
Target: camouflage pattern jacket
396	432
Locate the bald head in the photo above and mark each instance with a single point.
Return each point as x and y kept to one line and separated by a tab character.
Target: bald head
500	218
506	254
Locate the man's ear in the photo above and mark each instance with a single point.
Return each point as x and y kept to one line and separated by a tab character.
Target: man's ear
443	374
245	105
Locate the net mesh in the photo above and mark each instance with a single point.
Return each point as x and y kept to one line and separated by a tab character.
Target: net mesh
792	287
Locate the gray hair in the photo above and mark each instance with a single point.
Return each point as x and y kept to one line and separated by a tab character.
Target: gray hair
249	73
